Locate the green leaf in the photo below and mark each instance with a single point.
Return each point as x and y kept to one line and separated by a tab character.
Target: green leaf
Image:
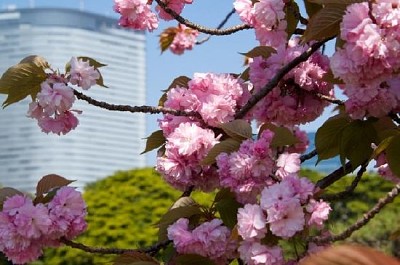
183	201
20	81
291	8
173	215
180	81
166	38
51	181
327	138
7	192
382	146
329	77
263	51
154	141
325	23
237	129
226	146
227	206
355	142
246	74
135	258
282	135
311	8
393	155
193	259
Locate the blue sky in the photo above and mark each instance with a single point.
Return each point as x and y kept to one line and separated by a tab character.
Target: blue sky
219	54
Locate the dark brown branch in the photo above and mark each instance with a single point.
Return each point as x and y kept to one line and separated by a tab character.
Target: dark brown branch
223	22
308	156
395	117
133	109
279	75
349	190
211	31
334	176
299	31
362	221
101	250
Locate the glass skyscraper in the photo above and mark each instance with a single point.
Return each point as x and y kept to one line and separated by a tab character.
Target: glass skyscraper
104	141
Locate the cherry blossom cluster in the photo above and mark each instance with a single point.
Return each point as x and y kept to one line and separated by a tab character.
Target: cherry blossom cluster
285	209
369	61
383	167
294	101
184	39
267	17
210	239
137	14
215	97
26	228
53	105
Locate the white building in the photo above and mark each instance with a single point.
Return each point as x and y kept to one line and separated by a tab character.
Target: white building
104	141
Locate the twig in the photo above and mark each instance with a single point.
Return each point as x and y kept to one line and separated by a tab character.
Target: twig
362	221
223	22
211	31
308	156
349	190
133	109
101	250
187	192
328	98
279	75
334	176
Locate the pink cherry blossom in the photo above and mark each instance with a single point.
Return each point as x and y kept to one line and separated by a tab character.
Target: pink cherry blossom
287	164
251	222
319	211
136	14
55	98
82	74
286	218
253	253
61	124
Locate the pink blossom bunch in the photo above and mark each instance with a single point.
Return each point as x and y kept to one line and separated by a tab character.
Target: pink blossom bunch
247	171
254	253
184	39
210	239
267	17
175	5
52	108
294	100
384	169
287	205
179	165
136	14
369	61
82	73
25	228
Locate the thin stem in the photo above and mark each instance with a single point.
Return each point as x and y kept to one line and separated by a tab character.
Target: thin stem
279	75
211	31
349	190
223	22
101	250
362	221
133	109
328	98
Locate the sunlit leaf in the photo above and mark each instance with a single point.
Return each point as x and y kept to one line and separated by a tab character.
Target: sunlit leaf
167	37
328	136
263	51
183	201
311	8
325	23
226	146
154	141
237	129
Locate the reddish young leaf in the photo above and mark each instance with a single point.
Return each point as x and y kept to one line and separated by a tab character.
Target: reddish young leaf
50	182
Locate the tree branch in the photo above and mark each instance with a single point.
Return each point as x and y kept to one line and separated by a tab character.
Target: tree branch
223	22
101	250
361	222
133	109
349	190
211	31
334	176
308	156
279	75
328	98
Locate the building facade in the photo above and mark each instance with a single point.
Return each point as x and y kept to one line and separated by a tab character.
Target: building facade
104	141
